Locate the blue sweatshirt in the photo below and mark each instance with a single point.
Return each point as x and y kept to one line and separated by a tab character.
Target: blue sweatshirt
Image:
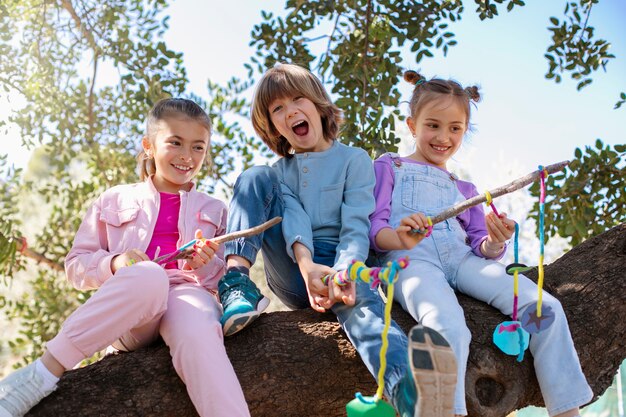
328	198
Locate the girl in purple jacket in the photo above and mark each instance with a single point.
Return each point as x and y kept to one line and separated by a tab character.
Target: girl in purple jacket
136	299
461	253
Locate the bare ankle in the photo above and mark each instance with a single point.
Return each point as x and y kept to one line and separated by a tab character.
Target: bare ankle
52	364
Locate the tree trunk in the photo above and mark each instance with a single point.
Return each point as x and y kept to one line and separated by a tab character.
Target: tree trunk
299	363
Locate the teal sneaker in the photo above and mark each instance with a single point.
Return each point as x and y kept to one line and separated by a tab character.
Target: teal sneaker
242	302
427	390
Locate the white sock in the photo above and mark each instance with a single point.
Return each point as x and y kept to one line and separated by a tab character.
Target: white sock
49	379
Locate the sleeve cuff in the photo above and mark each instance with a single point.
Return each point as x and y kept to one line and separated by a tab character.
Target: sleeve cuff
299	239
104	268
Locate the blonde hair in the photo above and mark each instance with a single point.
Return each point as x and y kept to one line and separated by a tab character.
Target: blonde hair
426	91
286	80
170	107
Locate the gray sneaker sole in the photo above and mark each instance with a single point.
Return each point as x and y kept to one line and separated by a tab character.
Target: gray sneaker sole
238	322
434	370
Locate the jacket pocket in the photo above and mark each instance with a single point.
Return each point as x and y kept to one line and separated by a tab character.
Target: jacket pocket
119	216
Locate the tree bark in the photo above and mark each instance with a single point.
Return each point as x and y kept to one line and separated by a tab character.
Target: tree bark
299	363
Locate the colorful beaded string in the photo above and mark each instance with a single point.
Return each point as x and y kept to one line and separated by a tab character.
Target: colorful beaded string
542	204
509	336
429	228
537	319
489	203
373	276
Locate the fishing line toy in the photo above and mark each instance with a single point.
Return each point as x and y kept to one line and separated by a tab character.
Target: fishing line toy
536	320
512	337
374	406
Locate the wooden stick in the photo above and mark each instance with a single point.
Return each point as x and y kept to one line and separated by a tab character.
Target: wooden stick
497	192
247	232
225	238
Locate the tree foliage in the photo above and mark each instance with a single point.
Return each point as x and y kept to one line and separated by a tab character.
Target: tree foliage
57	54
356	47
57	57
573	46
589	197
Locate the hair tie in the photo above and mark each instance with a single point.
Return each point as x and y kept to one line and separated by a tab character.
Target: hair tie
420	82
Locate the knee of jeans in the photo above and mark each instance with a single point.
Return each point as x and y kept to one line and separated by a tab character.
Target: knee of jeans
293	301
262	175
554	304
458	335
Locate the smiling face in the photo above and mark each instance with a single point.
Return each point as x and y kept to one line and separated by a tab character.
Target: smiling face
179	146
297	119
438	130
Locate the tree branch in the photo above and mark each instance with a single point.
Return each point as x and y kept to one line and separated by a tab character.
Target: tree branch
497	192
67	5
29	253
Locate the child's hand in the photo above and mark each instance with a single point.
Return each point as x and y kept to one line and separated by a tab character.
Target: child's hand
409	238
342	294
499	230
203	251
127	258
317	290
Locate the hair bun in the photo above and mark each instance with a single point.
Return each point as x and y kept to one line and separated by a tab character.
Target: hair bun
473	93
413	77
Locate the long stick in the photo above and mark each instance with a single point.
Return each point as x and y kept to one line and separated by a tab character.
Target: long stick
247	232
225	238
497	192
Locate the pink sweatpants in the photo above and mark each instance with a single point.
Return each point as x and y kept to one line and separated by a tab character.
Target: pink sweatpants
137	304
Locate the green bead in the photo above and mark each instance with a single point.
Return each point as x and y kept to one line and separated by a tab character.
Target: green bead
358	408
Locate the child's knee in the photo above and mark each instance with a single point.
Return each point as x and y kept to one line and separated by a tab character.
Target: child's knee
555	305
258	174
150	283
459	335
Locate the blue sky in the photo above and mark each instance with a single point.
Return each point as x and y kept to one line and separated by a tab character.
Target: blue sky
523	120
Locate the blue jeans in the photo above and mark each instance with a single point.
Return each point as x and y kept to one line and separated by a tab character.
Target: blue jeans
257	198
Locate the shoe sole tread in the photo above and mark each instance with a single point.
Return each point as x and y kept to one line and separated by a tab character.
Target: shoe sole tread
434	369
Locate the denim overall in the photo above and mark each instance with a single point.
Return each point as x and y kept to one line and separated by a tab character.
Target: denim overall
444	263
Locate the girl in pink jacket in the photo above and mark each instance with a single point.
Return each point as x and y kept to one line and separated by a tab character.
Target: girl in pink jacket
136	299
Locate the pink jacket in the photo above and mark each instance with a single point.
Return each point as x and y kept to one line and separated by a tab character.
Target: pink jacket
123	218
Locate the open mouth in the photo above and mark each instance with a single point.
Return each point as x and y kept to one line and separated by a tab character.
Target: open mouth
300	128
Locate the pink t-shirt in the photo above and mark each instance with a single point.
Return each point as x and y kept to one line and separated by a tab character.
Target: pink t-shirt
166	233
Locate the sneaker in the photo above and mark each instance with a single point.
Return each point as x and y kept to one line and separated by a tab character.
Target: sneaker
242	302
21	391
428	389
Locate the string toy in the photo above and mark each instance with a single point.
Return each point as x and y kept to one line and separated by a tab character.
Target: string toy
489	202
512	337
536	320
429	228
362	406
179	253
